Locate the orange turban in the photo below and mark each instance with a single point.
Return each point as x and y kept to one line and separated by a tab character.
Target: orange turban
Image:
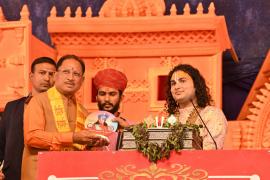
111	78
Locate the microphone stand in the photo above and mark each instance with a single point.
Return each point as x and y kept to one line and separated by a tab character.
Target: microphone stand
204	124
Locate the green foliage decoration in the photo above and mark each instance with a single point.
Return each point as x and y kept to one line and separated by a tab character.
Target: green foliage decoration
152	150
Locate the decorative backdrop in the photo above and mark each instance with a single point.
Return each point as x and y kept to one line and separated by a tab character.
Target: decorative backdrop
248	24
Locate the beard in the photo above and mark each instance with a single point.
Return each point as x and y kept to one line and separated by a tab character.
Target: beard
114	108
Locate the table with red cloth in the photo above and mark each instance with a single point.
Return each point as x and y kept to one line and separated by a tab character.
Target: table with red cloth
187	164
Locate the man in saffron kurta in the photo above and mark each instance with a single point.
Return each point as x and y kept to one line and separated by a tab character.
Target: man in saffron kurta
54	120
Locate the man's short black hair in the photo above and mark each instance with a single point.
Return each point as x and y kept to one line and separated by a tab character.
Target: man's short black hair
70	56
42	60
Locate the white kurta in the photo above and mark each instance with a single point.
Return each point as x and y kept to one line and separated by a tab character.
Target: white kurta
216	122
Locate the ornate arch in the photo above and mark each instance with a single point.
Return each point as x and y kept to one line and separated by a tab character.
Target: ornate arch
257	131
256	112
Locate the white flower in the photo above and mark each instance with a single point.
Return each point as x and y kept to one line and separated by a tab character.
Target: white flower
171	120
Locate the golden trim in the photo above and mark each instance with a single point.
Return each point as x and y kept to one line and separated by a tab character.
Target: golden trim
174	172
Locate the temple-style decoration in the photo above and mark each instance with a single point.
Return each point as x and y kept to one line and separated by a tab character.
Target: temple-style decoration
2	17
254	116
252	128
143	43
127	8
134	36
18	48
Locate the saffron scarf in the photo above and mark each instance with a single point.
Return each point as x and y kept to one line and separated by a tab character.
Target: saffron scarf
60	115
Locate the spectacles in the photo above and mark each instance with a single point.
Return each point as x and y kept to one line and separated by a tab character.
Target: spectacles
67	72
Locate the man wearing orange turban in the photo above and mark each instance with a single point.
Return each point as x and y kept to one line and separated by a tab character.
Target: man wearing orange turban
110	84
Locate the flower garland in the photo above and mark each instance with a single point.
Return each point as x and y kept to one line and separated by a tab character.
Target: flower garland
154	151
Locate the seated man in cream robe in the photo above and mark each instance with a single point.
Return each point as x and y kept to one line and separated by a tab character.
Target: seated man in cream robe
187	90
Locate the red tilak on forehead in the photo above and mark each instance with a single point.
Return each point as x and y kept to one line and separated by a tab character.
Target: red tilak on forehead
180	74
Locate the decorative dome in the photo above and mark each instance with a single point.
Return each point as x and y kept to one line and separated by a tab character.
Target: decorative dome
125	8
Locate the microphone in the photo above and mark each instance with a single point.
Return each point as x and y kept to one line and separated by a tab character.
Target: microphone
204	123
